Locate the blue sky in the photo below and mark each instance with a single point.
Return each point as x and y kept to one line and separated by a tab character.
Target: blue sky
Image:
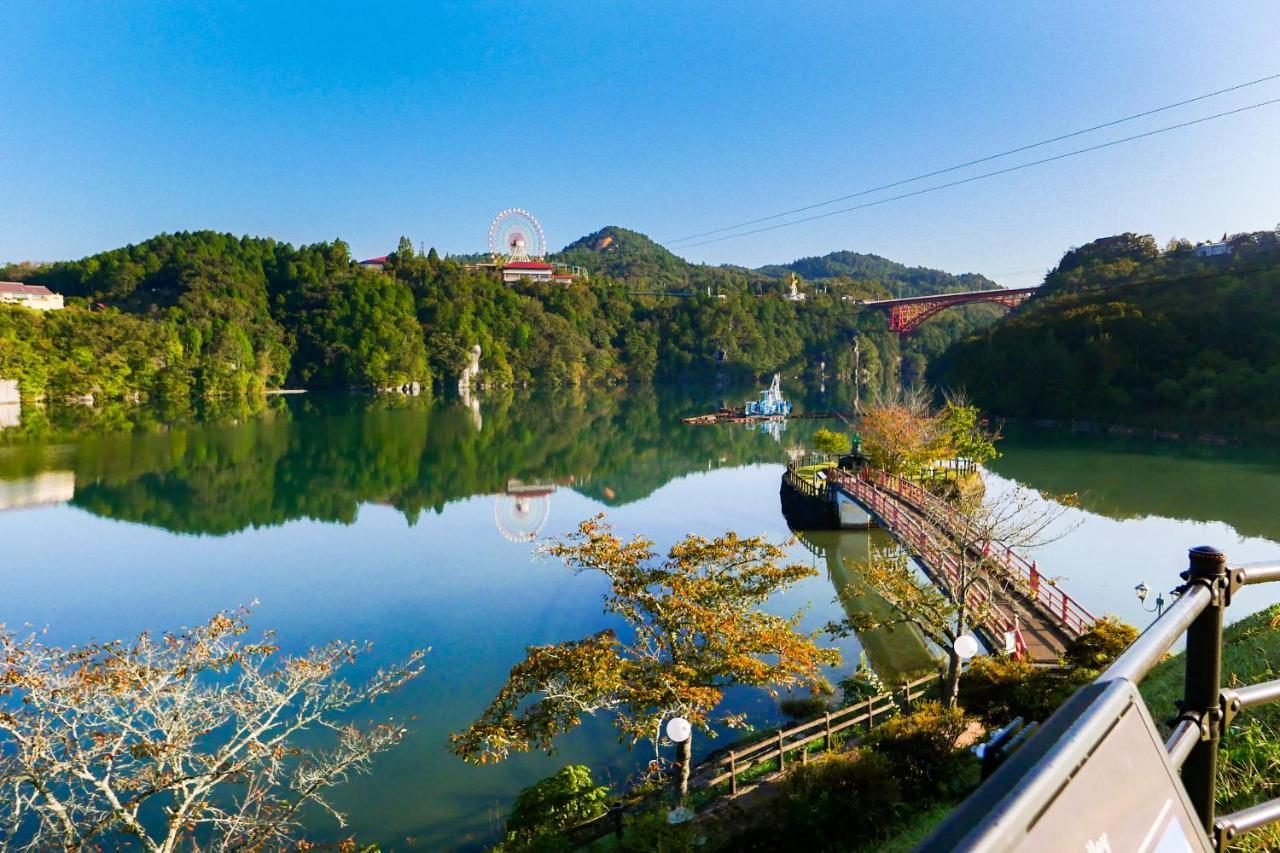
309	121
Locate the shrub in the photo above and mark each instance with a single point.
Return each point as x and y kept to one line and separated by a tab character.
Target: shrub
831	804
998	688
921	748
650	833
1100	645
545	808
831	442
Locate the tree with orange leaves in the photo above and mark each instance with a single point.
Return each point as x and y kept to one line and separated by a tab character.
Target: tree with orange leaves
696	630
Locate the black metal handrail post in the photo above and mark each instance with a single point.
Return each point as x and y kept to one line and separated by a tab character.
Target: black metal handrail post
1200	702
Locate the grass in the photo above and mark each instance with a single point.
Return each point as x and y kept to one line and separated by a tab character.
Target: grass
1249	764
909	836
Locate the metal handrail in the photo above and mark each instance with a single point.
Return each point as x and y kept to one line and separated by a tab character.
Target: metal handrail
1206	713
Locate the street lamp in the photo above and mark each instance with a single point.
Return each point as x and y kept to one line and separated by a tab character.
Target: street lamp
680	732
965	646
1142	590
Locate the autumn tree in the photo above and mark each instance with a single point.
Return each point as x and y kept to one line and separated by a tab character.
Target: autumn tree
1017	518
902	433
905	434
695	629
190	739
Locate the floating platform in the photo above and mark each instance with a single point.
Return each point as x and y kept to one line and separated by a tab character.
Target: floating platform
736	416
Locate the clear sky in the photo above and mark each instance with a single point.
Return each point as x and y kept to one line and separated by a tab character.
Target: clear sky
309	121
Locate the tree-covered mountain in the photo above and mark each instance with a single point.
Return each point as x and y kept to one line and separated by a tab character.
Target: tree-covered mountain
897	278
628	256
208	315
1126	332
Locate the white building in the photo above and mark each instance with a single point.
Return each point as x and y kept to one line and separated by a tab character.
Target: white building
1209	250
29	296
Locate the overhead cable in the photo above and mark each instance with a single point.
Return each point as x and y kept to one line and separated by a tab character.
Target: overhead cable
984	175
976	162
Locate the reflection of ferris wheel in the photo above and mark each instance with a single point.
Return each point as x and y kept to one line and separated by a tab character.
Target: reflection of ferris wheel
520	517
516	235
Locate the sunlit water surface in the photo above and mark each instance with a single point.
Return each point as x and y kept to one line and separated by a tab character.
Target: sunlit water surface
414	524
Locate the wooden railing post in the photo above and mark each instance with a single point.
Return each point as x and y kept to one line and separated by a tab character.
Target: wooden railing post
616	810
782	755
827	740
733	773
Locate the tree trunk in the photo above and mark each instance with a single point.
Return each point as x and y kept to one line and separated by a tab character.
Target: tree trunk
684	752
951	690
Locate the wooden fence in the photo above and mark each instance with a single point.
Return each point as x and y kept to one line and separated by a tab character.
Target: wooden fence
810	485
728	767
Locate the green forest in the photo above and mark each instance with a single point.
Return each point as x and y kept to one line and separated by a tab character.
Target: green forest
1126	332
209	315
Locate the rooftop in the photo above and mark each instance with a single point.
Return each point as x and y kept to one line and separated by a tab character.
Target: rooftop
527	265
25	289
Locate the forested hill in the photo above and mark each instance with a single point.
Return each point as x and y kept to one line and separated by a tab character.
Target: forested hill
901	279
210	315
633	257
629	256
1126	332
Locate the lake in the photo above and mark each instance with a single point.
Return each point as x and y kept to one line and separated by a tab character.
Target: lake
414	523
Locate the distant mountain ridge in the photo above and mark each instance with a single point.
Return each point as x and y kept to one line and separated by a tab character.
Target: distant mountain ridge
624	254
911	281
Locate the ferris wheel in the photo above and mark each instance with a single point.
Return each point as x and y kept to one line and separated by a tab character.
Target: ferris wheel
516	235
520	517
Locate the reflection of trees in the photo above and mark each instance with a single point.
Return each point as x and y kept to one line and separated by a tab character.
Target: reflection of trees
1123	478
321	457
894	652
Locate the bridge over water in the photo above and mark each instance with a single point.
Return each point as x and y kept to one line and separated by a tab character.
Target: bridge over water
906	315
1027	609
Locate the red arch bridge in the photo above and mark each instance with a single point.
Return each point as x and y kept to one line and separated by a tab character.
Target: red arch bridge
906	315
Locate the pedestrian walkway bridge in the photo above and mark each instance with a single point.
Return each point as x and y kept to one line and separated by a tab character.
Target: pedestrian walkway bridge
1029	613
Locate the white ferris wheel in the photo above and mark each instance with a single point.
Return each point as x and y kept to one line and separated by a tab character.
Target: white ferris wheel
516	235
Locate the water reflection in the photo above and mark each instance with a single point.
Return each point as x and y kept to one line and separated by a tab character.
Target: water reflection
322	457
1131	478
43	489
896	652
522	512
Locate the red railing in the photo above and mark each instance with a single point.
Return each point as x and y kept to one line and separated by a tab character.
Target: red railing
1044	593
908	527
1048	596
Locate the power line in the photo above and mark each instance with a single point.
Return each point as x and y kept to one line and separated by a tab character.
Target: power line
993	174
986	159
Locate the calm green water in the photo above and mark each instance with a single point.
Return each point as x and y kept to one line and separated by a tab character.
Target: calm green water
409	523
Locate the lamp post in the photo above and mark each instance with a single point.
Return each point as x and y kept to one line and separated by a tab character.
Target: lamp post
681	734
1142	590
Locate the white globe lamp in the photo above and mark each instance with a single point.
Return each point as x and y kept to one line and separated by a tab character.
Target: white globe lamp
965	646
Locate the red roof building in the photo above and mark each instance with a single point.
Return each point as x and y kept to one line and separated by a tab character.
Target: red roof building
533	270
